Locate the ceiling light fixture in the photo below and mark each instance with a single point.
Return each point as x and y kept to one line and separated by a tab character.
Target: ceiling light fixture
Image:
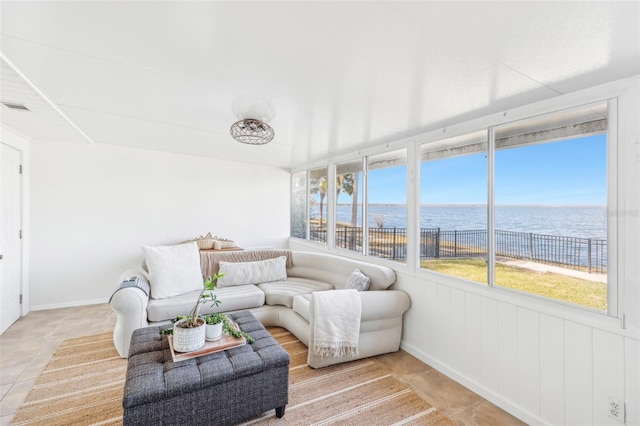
252	131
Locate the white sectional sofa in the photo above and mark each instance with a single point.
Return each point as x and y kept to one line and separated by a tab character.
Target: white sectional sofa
284	303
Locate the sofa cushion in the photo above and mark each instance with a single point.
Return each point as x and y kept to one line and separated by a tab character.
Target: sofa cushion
301	305
231	298
261	271
357	281
173	270
283	292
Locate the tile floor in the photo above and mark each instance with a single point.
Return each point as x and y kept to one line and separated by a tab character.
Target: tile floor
27	346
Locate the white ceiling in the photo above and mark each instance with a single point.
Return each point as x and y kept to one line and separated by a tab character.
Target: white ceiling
340	75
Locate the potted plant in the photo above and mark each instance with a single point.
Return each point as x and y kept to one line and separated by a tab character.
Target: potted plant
189	333
215	322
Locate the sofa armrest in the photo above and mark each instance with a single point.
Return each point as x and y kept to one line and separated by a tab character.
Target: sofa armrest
383	304
380	326
130	305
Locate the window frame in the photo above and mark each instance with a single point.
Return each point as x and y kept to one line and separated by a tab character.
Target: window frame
366	225
326	206
614	314
362	186
474	138
619	94
306	204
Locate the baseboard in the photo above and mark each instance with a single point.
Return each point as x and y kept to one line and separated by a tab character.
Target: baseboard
496	399
69	304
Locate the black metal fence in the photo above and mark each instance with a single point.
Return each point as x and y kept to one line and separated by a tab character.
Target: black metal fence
436	243
587	254
571	252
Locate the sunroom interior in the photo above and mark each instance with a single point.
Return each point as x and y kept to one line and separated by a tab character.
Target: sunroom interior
124	140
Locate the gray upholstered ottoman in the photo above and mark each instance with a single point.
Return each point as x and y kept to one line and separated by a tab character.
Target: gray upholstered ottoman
223	388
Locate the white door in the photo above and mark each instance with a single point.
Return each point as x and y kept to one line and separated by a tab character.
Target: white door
10	235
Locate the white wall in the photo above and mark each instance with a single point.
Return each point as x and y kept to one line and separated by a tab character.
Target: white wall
93	206
545	362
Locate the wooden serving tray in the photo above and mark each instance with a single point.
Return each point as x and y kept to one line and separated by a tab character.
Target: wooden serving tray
225	342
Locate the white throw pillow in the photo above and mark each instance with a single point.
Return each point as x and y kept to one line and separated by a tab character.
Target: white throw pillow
261	271
358	281
173	270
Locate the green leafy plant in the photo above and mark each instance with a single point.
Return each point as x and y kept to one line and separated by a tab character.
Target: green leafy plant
215	318
192	319
236	332
209	285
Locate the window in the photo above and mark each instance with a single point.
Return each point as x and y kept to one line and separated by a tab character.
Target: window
387	205
551	206
348	228
453	206
520	206
541	228
299	205
317	187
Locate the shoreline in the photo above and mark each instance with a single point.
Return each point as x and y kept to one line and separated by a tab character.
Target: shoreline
560	206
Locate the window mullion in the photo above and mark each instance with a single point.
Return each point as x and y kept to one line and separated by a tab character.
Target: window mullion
365	197
491	233
331	205
614	294
306	206
413	207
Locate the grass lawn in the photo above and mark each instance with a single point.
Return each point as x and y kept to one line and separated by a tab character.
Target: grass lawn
555	286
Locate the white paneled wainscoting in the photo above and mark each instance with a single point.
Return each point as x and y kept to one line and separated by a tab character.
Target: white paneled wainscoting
543	367
546	363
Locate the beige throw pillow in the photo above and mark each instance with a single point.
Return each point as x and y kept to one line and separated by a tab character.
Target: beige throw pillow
223	244
261	271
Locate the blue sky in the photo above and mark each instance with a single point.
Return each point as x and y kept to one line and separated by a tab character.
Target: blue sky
571	172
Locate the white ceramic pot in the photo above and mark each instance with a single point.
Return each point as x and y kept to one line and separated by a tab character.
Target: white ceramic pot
213	331
188	339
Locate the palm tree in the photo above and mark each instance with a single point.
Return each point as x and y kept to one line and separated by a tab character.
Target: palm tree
321	189
354	204
344	183
349	184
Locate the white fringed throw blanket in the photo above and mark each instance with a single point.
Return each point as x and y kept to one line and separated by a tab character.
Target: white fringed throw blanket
337	322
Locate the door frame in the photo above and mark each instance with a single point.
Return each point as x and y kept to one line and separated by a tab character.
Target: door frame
21	143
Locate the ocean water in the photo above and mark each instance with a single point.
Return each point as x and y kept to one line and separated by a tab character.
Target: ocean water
581	222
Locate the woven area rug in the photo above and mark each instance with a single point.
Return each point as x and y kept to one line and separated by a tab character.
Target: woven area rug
83	385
